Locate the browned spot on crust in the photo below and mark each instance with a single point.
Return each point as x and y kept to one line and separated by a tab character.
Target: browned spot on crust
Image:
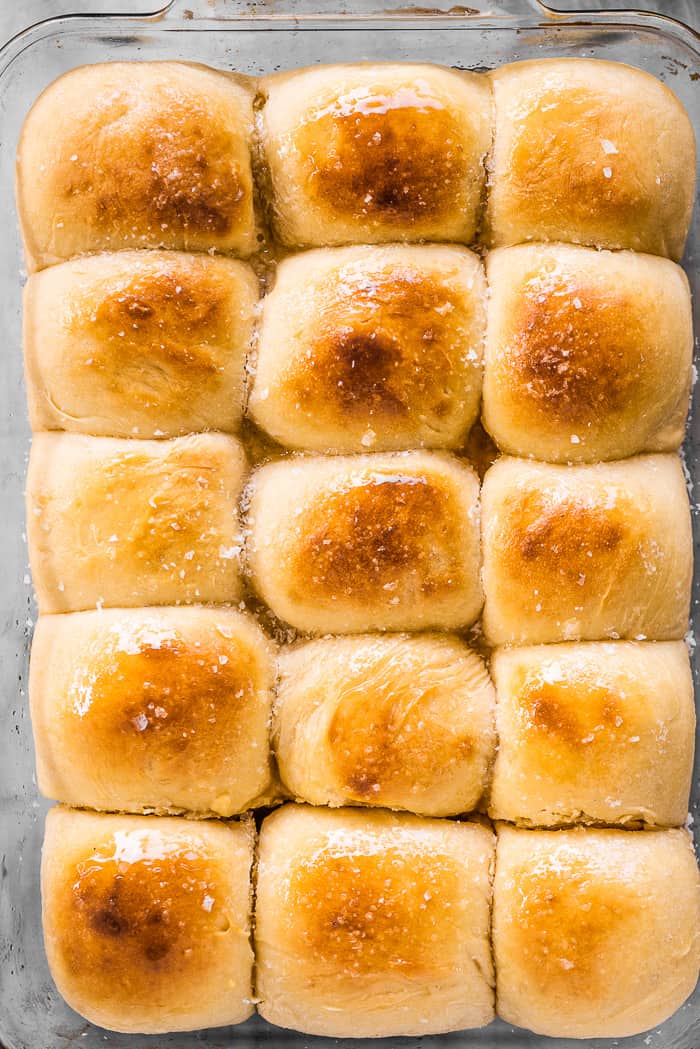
575	354
395	157
574	713
156	693
132	911
360	539
359	368
387	344
567	534
156	335
565	916
168	314
158	164
387	735
557	165
363	915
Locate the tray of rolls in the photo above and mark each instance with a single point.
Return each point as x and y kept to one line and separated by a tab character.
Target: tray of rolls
349	480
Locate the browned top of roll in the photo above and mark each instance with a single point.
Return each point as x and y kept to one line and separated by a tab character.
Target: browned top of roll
570	348
358	535
163	693
374	913
381	370
576	538
383	154
134	916
173	313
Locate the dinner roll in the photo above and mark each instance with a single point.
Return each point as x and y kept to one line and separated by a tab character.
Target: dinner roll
593	732
401	722
372	348
375	152
372	925
137	155
163	709
588	354
367	542
119	522
147	919
585	553
138	343
596	933
592	152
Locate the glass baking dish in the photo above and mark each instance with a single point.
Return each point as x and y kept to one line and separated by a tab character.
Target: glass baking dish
255	39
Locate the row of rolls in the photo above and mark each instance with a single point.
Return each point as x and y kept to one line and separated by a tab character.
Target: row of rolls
198	456
570	354
352	544
175	155
353	923
192	710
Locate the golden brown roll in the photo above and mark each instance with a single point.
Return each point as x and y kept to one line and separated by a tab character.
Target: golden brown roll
588	353
371	925
375	152
137	155
593	732
147	919
396	721
596	933
592	152
163	709
138	343
586	553
122	523
372	348
367	542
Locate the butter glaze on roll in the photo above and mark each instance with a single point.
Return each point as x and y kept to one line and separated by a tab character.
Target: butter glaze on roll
394	721
593	732
372	349
596	933
370	924
137	155
588	354
586	553
367	542
591	152
138	344
369	153
147	919
126	523
163	709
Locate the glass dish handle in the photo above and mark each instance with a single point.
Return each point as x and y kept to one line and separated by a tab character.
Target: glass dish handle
284	10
